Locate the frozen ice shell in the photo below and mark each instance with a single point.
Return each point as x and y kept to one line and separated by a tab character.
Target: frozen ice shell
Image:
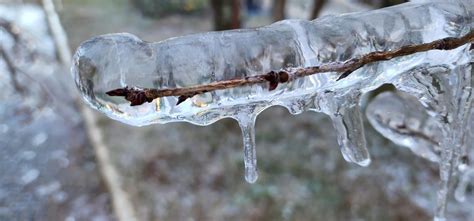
113	61
401	118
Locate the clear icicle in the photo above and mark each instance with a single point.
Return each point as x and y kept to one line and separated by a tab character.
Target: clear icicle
350	134
446	171
458	106
247	125
466	170
346	116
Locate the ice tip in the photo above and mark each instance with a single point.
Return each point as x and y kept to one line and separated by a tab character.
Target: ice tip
251	175
364	163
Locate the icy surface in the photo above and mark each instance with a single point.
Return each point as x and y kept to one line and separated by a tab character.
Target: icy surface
247	125
440	80
402	119
347	120
465	167
446	95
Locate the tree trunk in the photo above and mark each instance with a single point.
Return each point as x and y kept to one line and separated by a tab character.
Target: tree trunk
279	10
226	14
317	6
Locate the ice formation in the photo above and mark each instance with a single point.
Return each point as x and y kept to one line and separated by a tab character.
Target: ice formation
401	118
440	80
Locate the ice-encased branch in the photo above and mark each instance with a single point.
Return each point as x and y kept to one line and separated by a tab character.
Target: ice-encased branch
440	80
138	96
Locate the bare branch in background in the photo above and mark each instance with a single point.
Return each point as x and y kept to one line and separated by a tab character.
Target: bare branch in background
317	7
121	202
60	38
138	96
226	14
15	34
12	70
10	28
278	10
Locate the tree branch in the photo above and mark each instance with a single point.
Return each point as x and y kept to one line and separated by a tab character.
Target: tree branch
14	32
57	32
12	70
138	96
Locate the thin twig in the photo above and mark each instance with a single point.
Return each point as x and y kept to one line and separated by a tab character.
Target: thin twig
138	96
10	28
12	70
13	31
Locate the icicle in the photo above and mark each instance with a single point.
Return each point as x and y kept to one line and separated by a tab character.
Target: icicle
344	110
247	125
466	171
454	124
350	134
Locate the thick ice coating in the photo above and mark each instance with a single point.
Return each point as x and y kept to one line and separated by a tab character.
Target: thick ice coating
116	60
440	80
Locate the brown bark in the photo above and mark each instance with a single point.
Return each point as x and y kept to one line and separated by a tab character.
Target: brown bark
226	14
278	10
317	7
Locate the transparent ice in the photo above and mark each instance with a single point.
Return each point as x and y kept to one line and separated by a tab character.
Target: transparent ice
439	80
401	118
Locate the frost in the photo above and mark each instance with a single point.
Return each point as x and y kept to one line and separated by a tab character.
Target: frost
432	127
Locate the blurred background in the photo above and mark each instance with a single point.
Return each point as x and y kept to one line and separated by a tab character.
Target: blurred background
60	160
